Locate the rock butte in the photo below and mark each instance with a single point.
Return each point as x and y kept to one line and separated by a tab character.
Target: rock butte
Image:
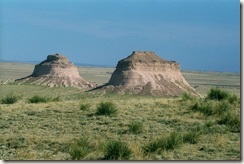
145	73
55	71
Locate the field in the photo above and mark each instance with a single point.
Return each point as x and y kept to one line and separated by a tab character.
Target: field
68	126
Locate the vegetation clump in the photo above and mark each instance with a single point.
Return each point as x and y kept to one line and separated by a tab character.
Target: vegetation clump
218	94
206	108
209	108
164	143
80	148
42	99
232	120
191	137
135	127
107	108
116	150
10	99
186	96
85	106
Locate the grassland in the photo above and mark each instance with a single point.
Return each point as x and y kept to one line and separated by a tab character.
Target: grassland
49	130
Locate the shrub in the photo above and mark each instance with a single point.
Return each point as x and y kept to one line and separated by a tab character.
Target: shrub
173	141
10	99
217	94
135	127
152	146
186	96
42	99
106	108
232	99
164	143
222	107
38	99
209	108
205	108
79	149
56	99
191	137
232	120
116	150
85	106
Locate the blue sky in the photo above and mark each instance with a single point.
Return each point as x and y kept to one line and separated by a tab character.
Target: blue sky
198	34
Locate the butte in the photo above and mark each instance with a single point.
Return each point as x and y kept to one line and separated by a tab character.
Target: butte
56	71
145	73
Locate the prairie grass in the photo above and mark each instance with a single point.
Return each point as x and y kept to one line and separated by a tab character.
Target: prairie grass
80	148
85	106
10	99
169	142
218	94
116	150
135	127
42	99
51	130
107	108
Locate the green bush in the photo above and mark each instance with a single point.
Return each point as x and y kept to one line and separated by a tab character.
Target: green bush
10	99
85	106
38	99
206	108
209	108
232	120
106	108
186	96
191	137
42	99
56	99
152	146
135	127
232	99
222	107
164	143
80	148
218	94
116	150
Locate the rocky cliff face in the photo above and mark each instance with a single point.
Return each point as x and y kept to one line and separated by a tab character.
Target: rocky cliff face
56	70
146	73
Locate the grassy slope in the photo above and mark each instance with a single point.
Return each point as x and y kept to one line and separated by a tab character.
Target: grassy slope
45	130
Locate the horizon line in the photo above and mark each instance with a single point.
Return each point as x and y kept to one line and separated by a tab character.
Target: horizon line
112	66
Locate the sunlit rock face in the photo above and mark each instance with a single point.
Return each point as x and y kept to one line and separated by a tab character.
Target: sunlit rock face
146	73
55	71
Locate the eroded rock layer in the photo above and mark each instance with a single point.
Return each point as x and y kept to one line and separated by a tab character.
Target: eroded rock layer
55	71
146	73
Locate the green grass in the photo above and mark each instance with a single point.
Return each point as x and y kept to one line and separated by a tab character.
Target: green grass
116	150
42	99
135	127
85	106
218	94
191	137
107	108
80	148
168	142
51	129
186	96
10	99
232	120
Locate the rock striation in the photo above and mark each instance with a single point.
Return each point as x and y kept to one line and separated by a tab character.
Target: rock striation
55	71
145	73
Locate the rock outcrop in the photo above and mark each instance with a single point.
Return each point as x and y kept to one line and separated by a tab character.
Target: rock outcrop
146	73
55	71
